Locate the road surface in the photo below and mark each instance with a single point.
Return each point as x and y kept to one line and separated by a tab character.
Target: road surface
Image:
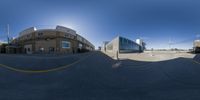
99	77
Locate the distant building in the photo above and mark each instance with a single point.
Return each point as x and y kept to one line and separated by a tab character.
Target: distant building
59	40
141	43
123	45
103	47
99	48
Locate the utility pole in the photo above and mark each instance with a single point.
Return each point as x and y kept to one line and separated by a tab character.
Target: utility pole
8	33
169	43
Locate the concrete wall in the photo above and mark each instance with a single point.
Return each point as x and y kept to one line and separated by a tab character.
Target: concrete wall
28	49
51	38
115	44
45	44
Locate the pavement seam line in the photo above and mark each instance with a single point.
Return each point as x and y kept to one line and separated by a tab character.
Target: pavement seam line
42	71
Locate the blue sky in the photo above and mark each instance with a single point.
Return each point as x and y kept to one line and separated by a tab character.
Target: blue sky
155	21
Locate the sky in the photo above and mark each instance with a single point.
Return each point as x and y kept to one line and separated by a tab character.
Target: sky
157	22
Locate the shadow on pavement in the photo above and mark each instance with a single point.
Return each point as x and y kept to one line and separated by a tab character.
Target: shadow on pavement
197	58
100	77
180	70
37	62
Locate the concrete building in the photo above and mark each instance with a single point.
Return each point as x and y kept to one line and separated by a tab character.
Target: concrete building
60	40
141	43
123	45
103	47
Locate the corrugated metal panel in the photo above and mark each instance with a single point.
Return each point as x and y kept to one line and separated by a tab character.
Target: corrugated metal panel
66	30
79	38
27	31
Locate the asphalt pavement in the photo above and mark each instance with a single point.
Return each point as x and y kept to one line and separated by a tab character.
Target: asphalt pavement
98	77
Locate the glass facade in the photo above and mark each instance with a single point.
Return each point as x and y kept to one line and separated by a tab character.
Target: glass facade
65	44
126	45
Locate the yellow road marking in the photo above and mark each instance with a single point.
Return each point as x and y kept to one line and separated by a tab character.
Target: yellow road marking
42	71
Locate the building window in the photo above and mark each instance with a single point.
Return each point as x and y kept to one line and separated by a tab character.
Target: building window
66	35
41	49
40	34
29	50
72	37
51	49
80	45
65	44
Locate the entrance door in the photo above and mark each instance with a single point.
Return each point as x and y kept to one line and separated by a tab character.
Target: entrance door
28	49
